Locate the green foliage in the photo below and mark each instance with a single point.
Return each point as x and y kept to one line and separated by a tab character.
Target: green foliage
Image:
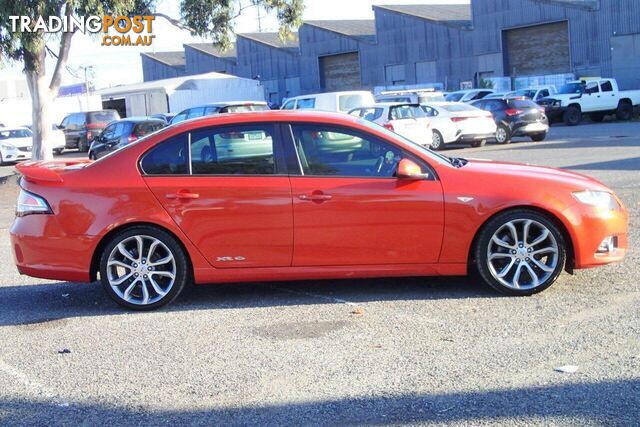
215	18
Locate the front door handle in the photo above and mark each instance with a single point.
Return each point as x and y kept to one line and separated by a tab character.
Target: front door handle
183	195
315	197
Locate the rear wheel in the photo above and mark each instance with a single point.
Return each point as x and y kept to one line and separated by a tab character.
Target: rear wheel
57	151
624	111
572	116
437	143
520	252
481	143
503	135
143	268
539	137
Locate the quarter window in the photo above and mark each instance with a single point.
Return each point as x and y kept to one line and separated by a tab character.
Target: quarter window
167	158
333	151
238	150
306	103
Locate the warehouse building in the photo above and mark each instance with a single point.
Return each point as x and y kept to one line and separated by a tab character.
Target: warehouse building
163	65
501	43
205	57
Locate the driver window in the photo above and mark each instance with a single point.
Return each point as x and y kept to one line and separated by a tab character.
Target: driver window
333	151
592	87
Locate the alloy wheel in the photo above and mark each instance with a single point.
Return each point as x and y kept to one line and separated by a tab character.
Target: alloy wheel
141	270
436	143
501	135
522	254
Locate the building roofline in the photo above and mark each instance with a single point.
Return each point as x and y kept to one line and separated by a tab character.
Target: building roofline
231	59
285	49
463	24
150	55
360	38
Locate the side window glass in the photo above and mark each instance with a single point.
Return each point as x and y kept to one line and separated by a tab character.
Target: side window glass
357	112
210	110
195	112
289	105
606	86
167	158
180	117
238	150
592	87
306	103
329	151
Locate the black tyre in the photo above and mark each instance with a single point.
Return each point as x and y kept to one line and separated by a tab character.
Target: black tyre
597	117
539	137
143	268
437	142
481	143
57	151
503	134
520	252
624	111
573	116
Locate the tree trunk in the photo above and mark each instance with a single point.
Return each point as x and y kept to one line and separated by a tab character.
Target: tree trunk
40	115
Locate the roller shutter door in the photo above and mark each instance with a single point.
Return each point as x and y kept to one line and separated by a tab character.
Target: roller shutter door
340	72
537	50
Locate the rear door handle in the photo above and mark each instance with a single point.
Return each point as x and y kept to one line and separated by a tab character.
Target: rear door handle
315	197
183	195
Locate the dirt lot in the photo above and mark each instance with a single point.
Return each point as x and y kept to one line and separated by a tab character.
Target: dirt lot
393	351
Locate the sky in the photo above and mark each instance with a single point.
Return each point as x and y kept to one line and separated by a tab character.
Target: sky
121	65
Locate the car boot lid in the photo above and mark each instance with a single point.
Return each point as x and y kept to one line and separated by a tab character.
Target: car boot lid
50	171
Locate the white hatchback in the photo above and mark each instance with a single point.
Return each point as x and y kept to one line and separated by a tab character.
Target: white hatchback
408	120
16	144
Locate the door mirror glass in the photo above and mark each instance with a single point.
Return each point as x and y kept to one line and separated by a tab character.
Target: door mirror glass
408	169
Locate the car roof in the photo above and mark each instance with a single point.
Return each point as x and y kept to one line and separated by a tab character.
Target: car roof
227	103
137	119
391	104
268	116
2	129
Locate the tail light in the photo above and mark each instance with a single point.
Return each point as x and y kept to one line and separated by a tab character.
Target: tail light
512	112
458	119
132	138
389	126
30	204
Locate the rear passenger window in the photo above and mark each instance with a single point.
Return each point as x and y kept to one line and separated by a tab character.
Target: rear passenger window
238	150
195	112
167	158
606	86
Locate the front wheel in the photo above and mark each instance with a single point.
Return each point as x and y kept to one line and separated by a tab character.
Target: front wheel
572	116
143	268
520	252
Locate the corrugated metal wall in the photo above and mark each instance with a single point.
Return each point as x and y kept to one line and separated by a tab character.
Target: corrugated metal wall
198	62
155	70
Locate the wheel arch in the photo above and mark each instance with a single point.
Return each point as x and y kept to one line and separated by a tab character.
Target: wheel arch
547	214
576	105
625	101
97	253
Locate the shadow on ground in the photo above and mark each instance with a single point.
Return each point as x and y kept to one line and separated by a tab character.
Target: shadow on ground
600	403
33	304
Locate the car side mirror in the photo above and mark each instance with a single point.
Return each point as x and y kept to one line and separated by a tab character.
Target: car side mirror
60	127
408	169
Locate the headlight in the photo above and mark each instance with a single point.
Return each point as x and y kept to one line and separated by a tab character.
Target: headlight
557	103
8	147
600	199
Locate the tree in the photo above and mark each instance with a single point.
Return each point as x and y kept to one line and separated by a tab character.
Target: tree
210	18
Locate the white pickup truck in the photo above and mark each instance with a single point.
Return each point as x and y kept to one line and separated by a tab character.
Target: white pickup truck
594	97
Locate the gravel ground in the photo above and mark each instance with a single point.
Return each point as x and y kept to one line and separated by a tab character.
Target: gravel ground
392	351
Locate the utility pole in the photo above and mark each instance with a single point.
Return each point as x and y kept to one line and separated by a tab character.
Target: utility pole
86	83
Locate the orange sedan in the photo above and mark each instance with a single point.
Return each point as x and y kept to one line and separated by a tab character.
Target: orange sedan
292	195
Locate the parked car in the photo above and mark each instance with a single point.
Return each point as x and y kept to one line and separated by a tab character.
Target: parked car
80	128
474	126
516	117
16	143
595	97
535	93
408	120
56	138
468	95
498	95
335	197
341	102
416	96
121	133
444	130
219	108
167	117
